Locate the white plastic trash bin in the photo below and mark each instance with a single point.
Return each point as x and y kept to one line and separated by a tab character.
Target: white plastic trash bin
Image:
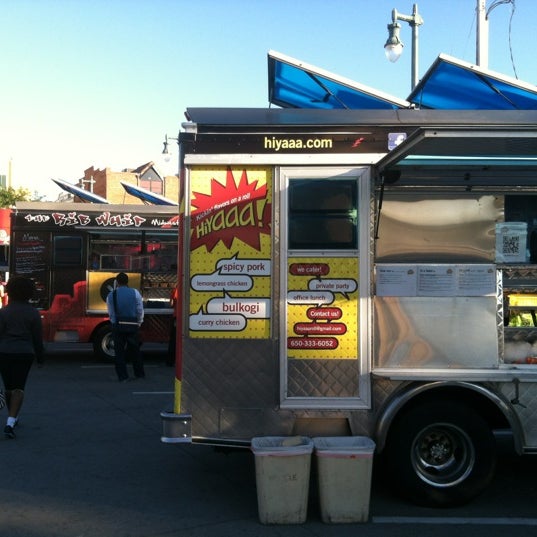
282	470
344	469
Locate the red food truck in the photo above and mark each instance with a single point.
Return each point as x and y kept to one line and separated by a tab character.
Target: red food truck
74	250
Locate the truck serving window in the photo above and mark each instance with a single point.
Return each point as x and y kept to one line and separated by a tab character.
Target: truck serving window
323	214
139	252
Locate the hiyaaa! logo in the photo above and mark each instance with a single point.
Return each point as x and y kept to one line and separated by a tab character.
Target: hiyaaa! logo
230	211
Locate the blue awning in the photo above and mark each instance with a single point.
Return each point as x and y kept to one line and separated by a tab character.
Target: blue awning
80	192
146	196
295	84
451	84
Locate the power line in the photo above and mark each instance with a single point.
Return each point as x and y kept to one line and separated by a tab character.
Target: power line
499	3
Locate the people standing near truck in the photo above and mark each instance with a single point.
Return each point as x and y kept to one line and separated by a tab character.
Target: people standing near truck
21	341
126	311
3	300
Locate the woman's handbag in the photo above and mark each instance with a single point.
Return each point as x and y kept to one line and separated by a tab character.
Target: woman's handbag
2	399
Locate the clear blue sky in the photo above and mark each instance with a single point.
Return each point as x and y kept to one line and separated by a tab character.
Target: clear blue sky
100	82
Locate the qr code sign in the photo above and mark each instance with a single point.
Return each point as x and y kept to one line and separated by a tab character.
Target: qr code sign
511	244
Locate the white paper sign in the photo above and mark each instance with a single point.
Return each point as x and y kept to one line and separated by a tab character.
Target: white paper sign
435	280
397	280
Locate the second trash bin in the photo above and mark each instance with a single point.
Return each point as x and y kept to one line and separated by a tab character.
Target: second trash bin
344	468
282	470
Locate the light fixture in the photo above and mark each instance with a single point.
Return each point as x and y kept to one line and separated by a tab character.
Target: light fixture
393	47
165	149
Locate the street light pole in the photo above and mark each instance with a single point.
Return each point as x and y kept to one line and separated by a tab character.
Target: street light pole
482	35
482	30
394	47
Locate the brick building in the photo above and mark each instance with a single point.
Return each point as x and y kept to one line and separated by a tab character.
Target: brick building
107	183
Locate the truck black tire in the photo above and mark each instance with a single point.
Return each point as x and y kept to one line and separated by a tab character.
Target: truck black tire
441	454
103	345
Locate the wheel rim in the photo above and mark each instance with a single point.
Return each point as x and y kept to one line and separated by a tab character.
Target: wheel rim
443	455
107	345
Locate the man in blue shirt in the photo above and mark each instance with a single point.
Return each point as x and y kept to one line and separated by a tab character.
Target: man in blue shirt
126	311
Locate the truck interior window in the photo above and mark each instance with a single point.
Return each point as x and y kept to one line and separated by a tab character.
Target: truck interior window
323	214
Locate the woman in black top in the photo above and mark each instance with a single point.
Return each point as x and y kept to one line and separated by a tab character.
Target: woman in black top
20	342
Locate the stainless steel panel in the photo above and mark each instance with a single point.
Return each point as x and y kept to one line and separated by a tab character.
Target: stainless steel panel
222	375
526	409
438	228
231	389
323	378
436	332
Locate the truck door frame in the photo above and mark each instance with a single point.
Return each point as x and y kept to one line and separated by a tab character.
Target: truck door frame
362	175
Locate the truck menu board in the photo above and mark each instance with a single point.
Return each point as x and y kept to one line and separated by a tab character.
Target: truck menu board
32	257
230	252
435	280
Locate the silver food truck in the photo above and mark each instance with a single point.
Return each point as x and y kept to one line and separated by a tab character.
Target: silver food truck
361	272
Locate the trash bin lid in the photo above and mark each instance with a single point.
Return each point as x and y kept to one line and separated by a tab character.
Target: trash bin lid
344	444
282	445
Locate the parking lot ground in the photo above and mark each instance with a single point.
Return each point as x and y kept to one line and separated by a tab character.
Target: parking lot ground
88	462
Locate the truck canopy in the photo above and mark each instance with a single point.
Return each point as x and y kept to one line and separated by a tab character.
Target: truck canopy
449	84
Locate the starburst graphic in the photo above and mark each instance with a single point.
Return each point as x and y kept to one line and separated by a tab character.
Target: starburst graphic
231	211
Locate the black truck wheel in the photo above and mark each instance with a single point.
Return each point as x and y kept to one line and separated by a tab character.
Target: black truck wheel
441	454
103	344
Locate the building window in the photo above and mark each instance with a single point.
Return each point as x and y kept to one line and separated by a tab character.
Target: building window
152	183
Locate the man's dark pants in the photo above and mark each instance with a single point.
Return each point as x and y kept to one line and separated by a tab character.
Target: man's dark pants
127	347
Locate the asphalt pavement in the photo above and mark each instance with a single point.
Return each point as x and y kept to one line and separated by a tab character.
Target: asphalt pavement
88	462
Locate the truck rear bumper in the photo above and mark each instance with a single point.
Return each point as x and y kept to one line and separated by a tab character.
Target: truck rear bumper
176	428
